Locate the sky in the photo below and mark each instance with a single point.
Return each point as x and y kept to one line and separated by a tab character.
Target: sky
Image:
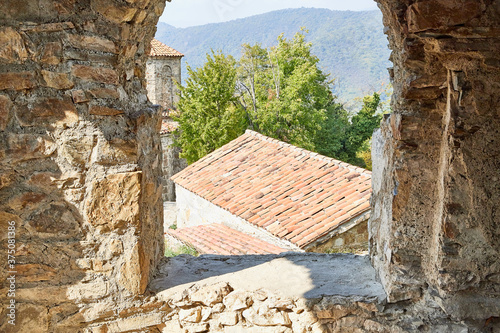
186	13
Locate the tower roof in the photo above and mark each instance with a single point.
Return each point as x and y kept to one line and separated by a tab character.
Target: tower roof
158	49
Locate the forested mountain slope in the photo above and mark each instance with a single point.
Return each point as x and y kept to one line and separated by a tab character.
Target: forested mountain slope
351	45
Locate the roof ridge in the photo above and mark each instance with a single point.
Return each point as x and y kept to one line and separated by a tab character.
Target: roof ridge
311	154
159	49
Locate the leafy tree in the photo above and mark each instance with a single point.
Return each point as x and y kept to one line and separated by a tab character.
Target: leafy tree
210	115
330	140
347	140
279	92
287	92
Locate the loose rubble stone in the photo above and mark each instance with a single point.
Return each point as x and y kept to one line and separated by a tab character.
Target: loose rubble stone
192	315
211	295
238	300
263	316
228	318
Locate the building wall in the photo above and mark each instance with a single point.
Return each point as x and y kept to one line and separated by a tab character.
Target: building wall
161	75
353	239
193	210
171	165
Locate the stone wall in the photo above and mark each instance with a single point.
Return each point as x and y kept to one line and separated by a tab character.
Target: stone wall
288	293
161	75
80	177
352	239
172	164
435	223
80	158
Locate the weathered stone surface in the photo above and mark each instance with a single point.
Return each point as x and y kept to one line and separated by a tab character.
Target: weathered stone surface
430	154
113	151
133	277
49	27
57	80
53	68
35	272
210	295
255	329
76	149
172	326
29	318
114	13
55	221
98	110
96	74
192	315
5	219
228	318
196	328
79	96
47	294
115	201
105	93
26	200
51	53
238	300
50	111
263	316
17	81
426	15
29	146
135	323
92	43
5	107
94	290
65	317
13	49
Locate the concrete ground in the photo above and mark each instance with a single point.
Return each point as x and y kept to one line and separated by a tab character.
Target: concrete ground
288	275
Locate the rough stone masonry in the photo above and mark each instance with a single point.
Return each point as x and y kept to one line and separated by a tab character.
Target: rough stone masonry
80	178
80	156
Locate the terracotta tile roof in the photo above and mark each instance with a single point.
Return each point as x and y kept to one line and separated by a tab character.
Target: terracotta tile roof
158	49
222	240
293	193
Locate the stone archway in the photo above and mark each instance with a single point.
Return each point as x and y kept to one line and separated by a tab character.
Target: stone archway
435	228
80	167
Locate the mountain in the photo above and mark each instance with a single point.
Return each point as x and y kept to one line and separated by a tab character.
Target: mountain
351	45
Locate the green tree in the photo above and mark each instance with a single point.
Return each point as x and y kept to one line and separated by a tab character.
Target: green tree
210	115
284	92
346	140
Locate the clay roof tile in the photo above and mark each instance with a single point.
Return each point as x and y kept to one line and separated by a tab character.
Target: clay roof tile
295	194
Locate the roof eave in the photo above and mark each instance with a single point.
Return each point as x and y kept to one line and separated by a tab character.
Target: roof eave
338	230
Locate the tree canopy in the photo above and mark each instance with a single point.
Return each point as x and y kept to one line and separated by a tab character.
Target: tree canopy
280	92
211	116
283	91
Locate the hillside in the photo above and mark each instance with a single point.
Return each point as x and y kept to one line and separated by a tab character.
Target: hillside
351	45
